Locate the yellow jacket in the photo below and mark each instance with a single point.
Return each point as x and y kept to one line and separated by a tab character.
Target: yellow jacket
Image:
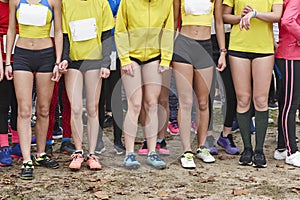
144	30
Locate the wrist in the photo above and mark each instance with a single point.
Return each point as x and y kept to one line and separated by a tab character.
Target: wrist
7	64
254	13
223	51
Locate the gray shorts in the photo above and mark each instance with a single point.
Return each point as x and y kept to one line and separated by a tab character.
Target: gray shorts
195	52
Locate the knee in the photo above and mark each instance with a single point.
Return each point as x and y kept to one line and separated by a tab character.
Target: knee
24	112
203	104
135	107
164	103
186	104
76	110
42	111
261	102
150	105
92	111
243	101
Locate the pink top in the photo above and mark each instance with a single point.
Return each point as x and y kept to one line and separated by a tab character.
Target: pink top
289	31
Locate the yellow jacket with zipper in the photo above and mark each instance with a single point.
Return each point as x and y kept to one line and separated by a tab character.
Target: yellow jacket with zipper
144	30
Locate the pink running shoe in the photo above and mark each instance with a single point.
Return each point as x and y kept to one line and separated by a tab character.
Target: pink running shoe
143	151
162	148
173	128
77	160
93	162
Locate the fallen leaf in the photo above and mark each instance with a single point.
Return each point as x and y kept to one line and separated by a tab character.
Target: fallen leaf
238	192
121	192
194	173
179	185
146	192
225	157
250	179
92	179
163	194
296	190
209	179
101	195
204	196
174	198
48	185
279	166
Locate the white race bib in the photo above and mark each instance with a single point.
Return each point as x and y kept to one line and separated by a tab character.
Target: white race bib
4	43
82	30
197	7
32	15
113	64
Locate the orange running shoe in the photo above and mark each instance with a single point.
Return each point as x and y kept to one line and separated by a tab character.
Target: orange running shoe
93	162
77	160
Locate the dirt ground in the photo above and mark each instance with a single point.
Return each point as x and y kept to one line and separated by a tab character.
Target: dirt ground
224	179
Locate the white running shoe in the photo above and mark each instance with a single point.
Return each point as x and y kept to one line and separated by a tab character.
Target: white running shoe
204	154
293	159
187	160
280	155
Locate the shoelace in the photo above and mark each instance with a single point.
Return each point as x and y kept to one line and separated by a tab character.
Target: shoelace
76	156
205	151
93	158
175	124
155	157
189	156
131	157
27	165
230	138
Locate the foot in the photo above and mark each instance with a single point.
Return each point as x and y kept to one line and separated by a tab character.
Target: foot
27	171
15	151
210	144
155	161
280	154
143	151
130	161
246	157
93	162
204	154
187	160
119	149
259	159
77	160
162	148
67	148
49	150
173	128
108	121
57	134
293	159
5	159
45	161
228	144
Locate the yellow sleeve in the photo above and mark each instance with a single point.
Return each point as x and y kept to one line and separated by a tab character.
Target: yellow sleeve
64	21
229	3
167	39
121	35
107	16
277	2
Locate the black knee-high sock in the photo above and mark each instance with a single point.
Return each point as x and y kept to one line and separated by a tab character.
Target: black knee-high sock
244	124
261	125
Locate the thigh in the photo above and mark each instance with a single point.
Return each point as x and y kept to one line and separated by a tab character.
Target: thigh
152	80
165	89
44	89
74	84
23	82
241	75
202	82
133	84
92	81
262	75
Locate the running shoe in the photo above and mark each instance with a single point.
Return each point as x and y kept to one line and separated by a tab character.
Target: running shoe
143	151
108	121
293	159
15	151
228	144
273	104
130	161
67	148
57	134
210	144
101	151
27	171
280	154
204	154
187	160
235	126
49	150
246	157
119	149
259	159
77	160
45	161
33	141
5	159
155	161
93	162
162	148
173	128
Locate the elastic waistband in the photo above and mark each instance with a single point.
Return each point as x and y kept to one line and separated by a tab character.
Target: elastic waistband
199	41
34	50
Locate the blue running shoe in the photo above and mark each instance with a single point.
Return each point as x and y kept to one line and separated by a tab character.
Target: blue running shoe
5	159
155	161
15	151
57	134
130	161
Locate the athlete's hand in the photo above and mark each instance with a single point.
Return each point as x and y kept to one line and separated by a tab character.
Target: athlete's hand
246	10
104	72
245	21
128	69
55	74
8	72
1	71
62	66
221	62
161	68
